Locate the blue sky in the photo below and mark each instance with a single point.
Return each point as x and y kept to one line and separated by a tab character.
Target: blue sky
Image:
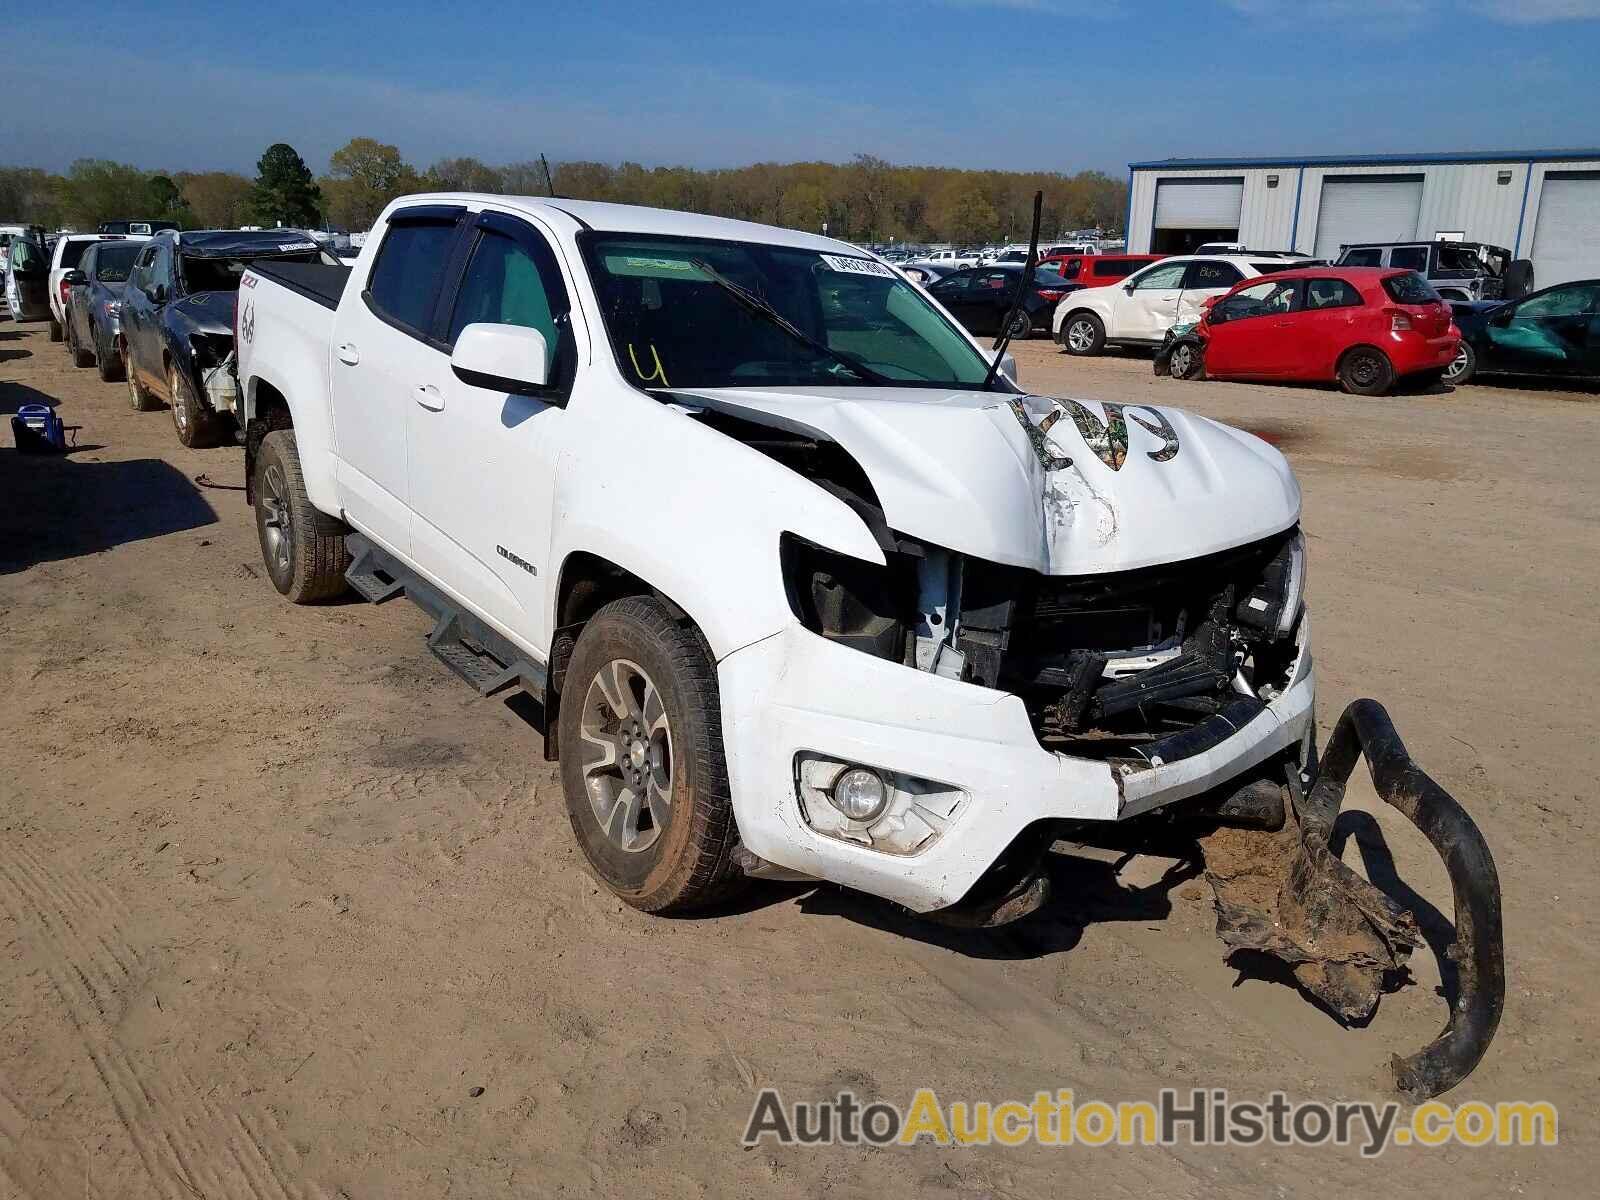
1048	84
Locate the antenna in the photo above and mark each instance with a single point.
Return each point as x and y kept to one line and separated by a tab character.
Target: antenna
549	183
1023	284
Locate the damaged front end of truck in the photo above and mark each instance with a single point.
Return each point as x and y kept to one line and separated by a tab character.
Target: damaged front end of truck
1074	585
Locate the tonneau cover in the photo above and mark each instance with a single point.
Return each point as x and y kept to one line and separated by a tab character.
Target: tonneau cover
314	281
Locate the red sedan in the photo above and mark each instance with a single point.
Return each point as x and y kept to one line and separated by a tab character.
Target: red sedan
1366	327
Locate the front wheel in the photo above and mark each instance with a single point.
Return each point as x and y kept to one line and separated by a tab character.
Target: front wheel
56	332
303	548
1463	367
1186	361
1083	335
1366	371
107	360
642	763
195	423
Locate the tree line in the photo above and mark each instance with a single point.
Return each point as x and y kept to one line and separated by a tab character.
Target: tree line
866	200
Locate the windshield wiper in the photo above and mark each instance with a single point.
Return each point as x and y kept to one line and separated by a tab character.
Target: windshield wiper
764	309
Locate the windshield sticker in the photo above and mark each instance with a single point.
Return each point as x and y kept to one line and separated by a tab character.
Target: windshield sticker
856	266
657	373
639	266
287	247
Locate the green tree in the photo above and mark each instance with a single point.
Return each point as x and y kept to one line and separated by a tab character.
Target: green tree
217	199
463	175
97	189
284	191
364	175
166	201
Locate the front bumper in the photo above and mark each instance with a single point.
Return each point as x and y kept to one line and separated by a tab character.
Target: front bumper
796	692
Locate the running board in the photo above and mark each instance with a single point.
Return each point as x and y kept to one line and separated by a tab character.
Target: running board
475	653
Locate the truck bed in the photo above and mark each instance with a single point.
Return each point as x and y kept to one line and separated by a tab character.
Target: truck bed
314	281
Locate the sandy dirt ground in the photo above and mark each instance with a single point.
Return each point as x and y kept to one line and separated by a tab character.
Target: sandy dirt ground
287	912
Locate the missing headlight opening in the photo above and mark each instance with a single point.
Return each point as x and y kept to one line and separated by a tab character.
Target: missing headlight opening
1105	664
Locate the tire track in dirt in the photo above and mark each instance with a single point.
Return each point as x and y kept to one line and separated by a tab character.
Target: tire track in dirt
190	1146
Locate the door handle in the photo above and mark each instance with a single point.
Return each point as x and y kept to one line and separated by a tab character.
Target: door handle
429	397
348	354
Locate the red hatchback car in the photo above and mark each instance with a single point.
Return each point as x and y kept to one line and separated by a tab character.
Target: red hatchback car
1366	327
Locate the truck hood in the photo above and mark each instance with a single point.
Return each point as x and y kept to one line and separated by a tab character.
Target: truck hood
1060	486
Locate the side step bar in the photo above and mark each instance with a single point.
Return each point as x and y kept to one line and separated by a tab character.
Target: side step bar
474	652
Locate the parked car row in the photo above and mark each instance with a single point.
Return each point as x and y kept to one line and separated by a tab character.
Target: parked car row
158	312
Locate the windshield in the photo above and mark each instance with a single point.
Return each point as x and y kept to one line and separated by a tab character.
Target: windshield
204	274
113	262
672	325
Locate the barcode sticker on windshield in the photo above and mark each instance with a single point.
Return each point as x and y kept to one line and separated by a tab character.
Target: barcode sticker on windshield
857	266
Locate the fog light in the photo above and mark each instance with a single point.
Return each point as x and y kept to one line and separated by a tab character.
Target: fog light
860	794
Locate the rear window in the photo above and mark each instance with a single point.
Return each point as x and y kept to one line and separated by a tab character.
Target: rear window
411	262
112	262
1409	258
1410	288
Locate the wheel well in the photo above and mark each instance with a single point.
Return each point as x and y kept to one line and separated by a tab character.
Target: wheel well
588	583
1349	350
1080	312
271	411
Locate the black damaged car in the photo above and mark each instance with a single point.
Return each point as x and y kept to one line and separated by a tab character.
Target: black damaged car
177	317
981	297
1554	333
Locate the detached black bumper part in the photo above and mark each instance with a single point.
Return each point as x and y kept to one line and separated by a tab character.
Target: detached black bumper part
1288	895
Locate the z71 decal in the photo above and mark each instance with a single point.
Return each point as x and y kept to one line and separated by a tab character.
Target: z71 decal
1108	439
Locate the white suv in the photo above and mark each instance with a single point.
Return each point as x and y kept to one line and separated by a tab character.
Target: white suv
1138	310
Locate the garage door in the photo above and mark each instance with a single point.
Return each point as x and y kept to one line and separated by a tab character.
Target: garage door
1367	208
1199	203
1566	241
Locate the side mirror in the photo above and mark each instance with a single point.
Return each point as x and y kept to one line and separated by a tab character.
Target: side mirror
1128	287
75	278
158	294
1008	364
502	358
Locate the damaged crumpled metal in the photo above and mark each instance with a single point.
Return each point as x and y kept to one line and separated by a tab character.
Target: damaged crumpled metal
1287	895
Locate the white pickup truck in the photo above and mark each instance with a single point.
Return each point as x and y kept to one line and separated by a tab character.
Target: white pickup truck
805	584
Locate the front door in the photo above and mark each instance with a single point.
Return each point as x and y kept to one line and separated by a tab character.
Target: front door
1547	334
1251	331
138	310
386	354
483	462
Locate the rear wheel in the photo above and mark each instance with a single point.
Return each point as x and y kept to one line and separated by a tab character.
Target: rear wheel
195	423
642	762
108	361
1021	327
55	330
1366	371
80	356
1463	367
1083	335
302	547
141	400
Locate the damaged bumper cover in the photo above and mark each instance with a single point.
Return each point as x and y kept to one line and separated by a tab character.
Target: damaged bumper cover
1287	894
972	750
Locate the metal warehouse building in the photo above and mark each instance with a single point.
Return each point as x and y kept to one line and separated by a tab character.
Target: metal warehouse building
1544	205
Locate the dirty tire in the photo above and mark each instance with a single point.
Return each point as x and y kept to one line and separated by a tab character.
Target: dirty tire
303	549
139	399
1083	335
1187	362
80	356
56	331
196	425
1463	368
1021	327
1366	371
108	363
689	863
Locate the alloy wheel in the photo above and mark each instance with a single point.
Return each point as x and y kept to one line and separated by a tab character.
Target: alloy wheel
627	765
275	520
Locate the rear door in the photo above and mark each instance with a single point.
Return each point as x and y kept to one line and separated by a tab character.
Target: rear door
1206	277
386	358
139	309
957	292
1146	306
485	531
